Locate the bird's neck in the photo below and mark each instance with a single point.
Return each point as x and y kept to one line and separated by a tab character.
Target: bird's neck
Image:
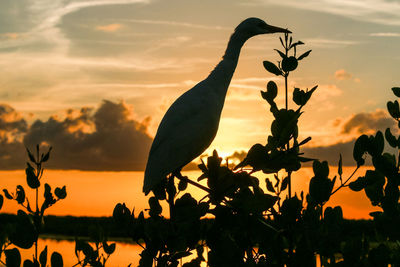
235	43
223	72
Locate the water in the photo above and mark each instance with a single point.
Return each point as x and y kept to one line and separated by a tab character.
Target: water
124	254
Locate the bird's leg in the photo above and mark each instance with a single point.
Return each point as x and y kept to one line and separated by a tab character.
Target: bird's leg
171	191
179	175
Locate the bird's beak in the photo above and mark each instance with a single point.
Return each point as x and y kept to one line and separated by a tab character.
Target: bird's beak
273	29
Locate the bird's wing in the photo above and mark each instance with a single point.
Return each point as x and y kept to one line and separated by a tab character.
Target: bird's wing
187	129
188	112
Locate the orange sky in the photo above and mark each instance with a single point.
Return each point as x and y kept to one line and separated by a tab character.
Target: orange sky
96	193
94	78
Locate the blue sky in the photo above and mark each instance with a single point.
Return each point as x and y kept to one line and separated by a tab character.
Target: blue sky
58	56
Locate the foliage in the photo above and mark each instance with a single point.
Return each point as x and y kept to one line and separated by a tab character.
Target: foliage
254	223
257	225
25	231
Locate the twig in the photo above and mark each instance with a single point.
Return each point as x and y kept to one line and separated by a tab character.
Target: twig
344	184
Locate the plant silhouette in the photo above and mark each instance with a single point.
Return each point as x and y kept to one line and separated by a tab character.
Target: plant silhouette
249	223
30	220
271	226
25	232
191	123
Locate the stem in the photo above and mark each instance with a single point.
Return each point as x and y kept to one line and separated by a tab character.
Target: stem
184	178
288	145
290	184
286	92
286	107
35	215
171	197
344	184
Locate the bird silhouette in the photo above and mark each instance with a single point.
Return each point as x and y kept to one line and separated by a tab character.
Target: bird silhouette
191	122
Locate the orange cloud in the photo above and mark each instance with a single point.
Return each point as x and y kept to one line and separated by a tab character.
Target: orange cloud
109	28
9	36
342	75
102	139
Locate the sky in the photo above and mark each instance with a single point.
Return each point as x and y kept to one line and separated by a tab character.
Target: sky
94	78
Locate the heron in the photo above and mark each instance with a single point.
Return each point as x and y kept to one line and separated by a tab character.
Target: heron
191	122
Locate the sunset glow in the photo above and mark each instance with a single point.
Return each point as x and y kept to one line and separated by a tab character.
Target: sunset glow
93	80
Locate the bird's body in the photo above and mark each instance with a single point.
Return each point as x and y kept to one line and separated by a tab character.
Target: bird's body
191	123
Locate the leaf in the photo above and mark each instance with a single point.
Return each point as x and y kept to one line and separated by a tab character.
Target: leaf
305	141
298	96
61	193
25	233
296	44
7	195
285	183
281	53
289	64
321	169
280	38
31	157
56	260
390	138
28	263
304	55
272	68
377	145
396	91
31	178
272	90
393	109
20	194
182	185
360	147
269	185
155	207
109	249
121	213
46	156
320	188
13	257
358	184
340	170
43	257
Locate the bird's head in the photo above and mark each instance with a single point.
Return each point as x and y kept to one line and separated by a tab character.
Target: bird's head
254	26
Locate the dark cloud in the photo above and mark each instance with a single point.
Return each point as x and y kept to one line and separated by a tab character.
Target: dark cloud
332	153
12	129
11	122
368	123
106	139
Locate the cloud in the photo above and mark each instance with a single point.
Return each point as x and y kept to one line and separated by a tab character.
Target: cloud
376	11
9	36
331	153
385	34
41	21
12	129
329	43
324	96
351	128
342	75
12	125
368	123
176	23
105	139
109	27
